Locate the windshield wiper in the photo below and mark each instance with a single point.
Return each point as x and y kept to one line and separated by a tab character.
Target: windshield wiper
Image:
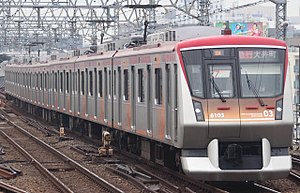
216	87
254	91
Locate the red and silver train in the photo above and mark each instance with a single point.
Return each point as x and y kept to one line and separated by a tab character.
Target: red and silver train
217	107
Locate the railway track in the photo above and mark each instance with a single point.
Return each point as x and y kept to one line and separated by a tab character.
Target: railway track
158	179
51	162
74	150
154	182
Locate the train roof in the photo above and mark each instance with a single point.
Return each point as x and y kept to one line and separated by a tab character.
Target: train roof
204	42
142	50
231	40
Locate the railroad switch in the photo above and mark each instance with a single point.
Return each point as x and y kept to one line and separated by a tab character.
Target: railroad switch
9	172
105	149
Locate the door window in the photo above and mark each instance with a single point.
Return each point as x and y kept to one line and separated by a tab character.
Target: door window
220	81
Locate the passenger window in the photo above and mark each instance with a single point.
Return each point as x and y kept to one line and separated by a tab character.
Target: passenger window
109	83
46	78
126	85
78	82
141	93
86	80
82	82
56	82
67	82
91	83
96	82
100	83
61	82
158	86
41	81
115	83
75	82
30	82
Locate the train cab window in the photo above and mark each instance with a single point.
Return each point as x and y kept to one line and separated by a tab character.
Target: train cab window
82	82
158	86
126	81
194	68
91	82
261	71
141	93
220	80
100	83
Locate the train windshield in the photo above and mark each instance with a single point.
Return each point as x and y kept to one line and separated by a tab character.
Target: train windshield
192	60
261	72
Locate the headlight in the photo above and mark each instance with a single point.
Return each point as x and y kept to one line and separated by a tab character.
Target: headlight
198	111
279	109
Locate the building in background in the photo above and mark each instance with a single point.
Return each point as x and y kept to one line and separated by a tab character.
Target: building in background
259	13
246	28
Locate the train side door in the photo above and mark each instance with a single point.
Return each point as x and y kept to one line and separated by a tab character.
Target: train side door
223	102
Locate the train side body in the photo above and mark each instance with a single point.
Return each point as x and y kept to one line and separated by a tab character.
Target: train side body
205	98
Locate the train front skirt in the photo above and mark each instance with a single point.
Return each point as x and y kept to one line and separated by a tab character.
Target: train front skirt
212	168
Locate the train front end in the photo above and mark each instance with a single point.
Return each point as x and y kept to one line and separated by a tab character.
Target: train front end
235	108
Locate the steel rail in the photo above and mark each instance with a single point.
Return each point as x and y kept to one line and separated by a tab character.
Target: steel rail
295	174
11	188
60	185
105	184
265	188
138	183
163	181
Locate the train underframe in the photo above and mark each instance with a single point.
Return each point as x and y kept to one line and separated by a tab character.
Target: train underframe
148	149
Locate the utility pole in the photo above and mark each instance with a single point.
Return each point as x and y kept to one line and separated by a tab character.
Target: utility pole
281	22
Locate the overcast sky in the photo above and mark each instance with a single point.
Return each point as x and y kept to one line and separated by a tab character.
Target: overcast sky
293	7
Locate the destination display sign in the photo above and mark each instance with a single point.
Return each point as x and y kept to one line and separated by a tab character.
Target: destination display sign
266	55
